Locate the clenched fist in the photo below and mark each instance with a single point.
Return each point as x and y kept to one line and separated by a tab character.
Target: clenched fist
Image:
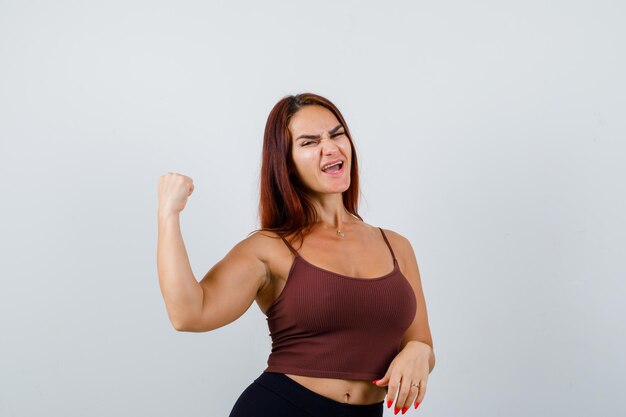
173	192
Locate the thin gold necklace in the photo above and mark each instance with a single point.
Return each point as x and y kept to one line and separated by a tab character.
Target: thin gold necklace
339	232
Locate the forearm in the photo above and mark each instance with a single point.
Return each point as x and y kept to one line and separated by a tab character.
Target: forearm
181	291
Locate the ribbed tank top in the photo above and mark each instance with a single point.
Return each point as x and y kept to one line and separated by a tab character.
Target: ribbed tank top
329	325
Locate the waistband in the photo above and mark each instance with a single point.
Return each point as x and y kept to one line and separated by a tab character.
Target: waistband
311	401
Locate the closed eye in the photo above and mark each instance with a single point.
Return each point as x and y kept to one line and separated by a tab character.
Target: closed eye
305	143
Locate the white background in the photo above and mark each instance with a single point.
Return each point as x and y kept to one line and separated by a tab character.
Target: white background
489	133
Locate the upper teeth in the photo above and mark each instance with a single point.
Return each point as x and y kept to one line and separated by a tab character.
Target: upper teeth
330	165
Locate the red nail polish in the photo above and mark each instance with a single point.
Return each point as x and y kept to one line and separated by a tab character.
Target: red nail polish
404	410
389	403
396	411
375	381
416	405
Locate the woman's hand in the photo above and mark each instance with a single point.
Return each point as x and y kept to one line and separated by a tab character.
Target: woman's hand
410	366
173	192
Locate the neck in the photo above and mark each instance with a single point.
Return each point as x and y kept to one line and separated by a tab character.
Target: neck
332	214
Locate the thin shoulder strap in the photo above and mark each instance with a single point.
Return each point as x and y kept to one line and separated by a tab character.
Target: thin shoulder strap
289	246
388	245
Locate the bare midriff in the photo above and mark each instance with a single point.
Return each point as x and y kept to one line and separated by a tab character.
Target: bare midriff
343	390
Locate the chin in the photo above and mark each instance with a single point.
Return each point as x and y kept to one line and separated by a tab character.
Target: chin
341	190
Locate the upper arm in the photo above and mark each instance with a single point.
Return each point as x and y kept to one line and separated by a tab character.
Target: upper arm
420	329
231	285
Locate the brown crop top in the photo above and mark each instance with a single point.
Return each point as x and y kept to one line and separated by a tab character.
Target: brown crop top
329	325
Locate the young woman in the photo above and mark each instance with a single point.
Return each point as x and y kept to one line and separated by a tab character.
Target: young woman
345	310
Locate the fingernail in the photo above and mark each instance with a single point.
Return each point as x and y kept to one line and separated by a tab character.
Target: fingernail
389	403
375	381
404	410
417	404
396	411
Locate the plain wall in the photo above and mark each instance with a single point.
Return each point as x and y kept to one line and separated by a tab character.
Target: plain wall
490	134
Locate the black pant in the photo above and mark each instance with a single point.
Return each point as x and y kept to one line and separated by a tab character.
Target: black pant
274	394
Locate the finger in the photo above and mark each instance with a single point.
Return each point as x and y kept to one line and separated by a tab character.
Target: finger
392	389
403	402
422	392
412	396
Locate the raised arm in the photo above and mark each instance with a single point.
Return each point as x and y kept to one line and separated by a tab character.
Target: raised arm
226	291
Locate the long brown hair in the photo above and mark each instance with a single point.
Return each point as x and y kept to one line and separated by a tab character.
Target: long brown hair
285	206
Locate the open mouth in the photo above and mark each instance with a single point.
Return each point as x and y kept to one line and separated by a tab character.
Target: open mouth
335	168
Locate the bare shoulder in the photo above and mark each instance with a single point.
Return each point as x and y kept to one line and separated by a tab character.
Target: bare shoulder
396	237
261	235
252	256
262	243
401	246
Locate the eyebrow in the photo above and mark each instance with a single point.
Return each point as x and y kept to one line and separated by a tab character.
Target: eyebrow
336	128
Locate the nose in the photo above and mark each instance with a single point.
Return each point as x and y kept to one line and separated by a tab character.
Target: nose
328	146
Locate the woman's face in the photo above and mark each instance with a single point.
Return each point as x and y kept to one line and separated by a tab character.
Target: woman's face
319	139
